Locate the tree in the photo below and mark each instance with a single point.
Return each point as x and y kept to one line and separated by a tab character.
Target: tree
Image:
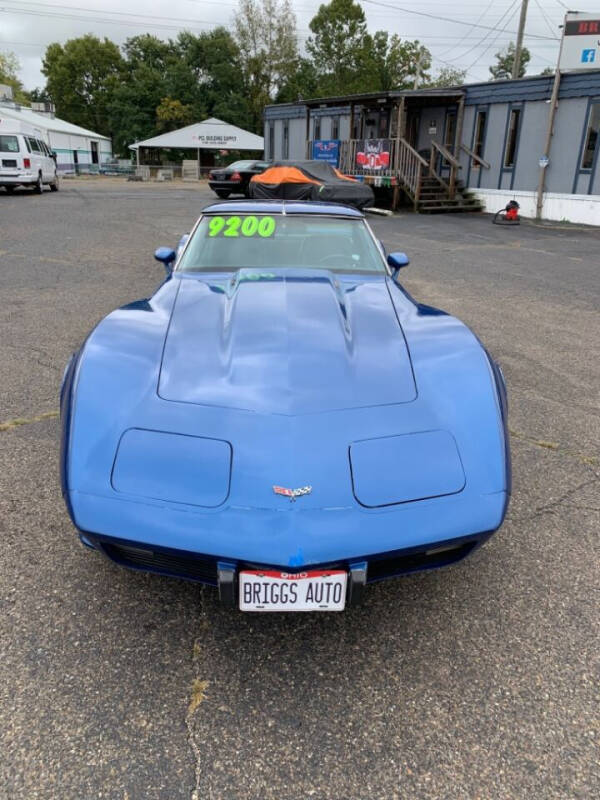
505	60
215	62
265	33
172	114
168	84
39	95
548	71
393	64
9	75
448	76
302	85
133	101
81	76
339	47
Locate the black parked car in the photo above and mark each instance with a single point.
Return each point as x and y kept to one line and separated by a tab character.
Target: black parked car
234	179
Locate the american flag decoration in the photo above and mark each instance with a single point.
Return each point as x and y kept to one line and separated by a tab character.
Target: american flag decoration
292	493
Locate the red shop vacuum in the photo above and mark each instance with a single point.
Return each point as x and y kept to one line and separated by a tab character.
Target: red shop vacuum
508	215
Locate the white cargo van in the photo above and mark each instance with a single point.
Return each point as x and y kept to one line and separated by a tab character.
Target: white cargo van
25	158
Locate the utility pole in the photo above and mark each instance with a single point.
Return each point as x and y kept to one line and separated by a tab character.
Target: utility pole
549	130
520	32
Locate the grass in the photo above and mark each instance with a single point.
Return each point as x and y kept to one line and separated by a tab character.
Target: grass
199	688
9	424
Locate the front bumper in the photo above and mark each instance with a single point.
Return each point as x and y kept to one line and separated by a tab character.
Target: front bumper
222	572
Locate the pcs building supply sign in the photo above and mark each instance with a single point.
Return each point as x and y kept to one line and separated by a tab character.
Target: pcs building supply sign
581	42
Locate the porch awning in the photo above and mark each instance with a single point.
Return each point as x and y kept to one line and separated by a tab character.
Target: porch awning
212	134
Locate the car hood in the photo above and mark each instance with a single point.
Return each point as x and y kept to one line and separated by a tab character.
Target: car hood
285	342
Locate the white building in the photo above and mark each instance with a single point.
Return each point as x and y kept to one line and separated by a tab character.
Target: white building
77	149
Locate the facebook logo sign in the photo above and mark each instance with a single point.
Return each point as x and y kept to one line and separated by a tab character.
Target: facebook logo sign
588	56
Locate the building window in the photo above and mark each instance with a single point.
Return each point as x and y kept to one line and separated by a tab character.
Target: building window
285	140
317	129
479	136
335	127
271	153
512	138
591	137
450	131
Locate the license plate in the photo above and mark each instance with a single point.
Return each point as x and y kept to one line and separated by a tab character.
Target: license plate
271	590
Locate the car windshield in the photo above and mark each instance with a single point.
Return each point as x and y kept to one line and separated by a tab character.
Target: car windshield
9	144
241	165
233	241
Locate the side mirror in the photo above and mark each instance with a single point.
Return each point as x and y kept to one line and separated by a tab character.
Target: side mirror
166	255
398	260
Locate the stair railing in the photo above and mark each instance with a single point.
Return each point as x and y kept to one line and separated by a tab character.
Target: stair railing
454	167
481	161
408	164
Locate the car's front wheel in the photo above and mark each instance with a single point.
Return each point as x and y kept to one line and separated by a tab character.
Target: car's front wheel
38	187
9	189
222	193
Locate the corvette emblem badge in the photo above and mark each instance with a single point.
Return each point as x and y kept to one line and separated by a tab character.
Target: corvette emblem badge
292	493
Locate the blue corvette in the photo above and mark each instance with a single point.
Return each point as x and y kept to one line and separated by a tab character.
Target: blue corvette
281	419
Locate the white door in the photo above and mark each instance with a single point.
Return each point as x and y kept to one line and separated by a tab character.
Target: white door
37	159
49	166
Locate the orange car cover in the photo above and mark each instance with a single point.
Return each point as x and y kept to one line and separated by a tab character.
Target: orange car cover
283	175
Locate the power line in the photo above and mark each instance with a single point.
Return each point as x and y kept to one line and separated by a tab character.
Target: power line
492	44
466	36
446	19
551	27
544	60
115	13
101	20
487	35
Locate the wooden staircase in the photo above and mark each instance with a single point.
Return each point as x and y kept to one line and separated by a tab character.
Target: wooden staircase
429	192
435	199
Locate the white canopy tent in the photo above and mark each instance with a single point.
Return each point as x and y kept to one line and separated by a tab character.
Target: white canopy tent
212	134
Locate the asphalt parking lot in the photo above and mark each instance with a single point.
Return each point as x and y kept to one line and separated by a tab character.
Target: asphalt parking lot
478	681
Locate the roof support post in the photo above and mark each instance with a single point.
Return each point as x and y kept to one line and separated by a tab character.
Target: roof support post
351	121
307	128
402	118
459	126
456	148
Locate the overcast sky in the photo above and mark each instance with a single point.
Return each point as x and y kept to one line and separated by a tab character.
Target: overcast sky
27	27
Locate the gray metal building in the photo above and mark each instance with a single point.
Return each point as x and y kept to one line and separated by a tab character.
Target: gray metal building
445	146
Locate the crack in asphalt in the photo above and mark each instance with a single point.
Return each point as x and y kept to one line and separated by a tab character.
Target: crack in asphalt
555	503
197	697
590	461
10	424
551	508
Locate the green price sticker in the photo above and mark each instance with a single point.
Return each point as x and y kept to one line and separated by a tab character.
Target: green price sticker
233	227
